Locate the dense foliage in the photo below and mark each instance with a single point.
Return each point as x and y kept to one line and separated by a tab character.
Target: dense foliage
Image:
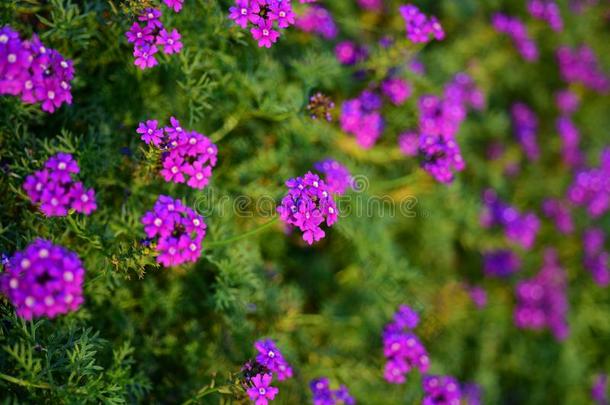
154	334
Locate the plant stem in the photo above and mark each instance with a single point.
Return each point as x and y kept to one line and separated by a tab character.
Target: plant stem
24	383
217	243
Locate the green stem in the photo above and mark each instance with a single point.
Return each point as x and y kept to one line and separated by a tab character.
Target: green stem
401	181
24	383
217	243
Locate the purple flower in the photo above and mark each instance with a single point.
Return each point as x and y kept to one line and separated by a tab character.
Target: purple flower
559	212
567	101
323	395
139	35
179	231
62	166
397	90
43	280
542	301
170	41
408	143
318	20
419	27
441	390
150	133
471	393
478	295
262	391
360	118
270	357
591	187
548	11
580	65
307	205
517	31
145	56
265	34
349	53
337	177
525	126
281	11
83	200
501	263
440	157
240	13
596	260
176	5
600	389
151	17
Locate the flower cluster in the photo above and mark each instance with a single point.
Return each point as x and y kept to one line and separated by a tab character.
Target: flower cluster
318	20
150	34
501	263
441	390
350	53
402	349
591	187
396	89
372	5
599	391
319	106
323	395
266	17
33	72
542	301
408	143
307	205
187	156
597	260
567	101
258	373
175	5
546	10
514	28
43	280
570	140
471	394
580	65
55	190
338	179
478	295
361	117
179	231
419	27
518	227
525	128
439	122
270	357
559	212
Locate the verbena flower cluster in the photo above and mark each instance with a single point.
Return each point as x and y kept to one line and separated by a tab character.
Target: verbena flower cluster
34	72
546	10
56	191
517	31
567	103
591	187
178	231
43	280
317	20
266	17
320	106
323	395
337	177
599	391
441	390
307	205
525	128
362	118
439	122
580	65
186	156
559	212
396	89
402	348
542	301
258	373
420	28
521	228
501	263
149	34
408	143
350	53
596	259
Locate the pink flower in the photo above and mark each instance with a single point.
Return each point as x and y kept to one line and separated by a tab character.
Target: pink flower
261	393
145	56
170	41
265	34
173	170
176	5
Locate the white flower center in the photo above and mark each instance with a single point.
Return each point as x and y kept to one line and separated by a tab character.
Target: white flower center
68	276
14	283
63	64
51	94
196	222
30	301
193	141
172	251
271	354
199	176
84	198
4	38
29	84
48	300
193	247
25	264
282	14
170	41
12	58
61	166
262	391
175	169
158	221
69	298
265	33
43	253
54	202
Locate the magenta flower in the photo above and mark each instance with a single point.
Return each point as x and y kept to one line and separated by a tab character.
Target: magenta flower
172	169
150	133
145	56
240	13
83	200
281	11
265	34
139	35
397	90
43	280
200	174
170	41
261	393
337	177
151	17
408	143
176	5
